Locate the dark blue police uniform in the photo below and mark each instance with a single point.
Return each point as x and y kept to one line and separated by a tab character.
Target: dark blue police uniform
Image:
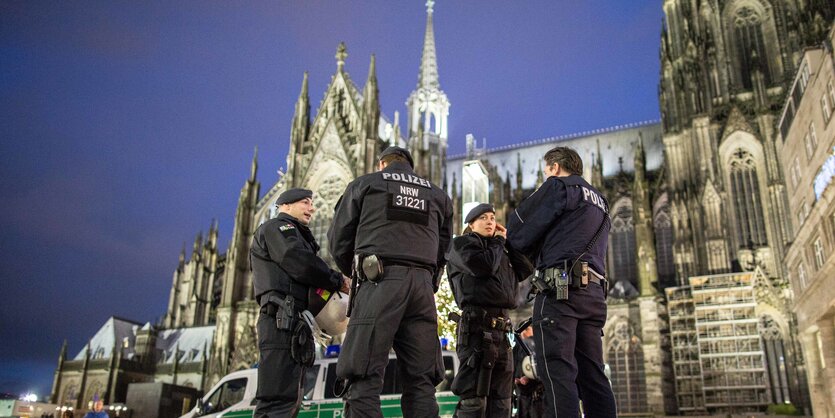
553	225
406	222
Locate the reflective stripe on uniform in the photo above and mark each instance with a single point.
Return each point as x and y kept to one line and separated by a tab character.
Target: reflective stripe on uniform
544	359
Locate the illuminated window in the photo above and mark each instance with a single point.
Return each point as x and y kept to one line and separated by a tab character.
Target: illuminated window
626	361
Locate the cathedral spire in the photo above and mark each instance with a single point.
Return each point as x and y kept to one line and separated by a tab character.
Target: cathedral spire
298	132
253	170
428	76
597	169
371	118
640	159
341	54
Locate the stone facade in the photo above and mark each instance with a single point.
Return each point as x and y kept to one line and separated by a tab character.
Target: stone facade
807	156
124	352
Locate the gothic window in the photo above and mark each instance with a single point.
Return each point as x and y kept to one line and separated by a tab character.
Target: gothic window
825	109
663	227
626	360
750	45
775	358
745	189
70	393
327	194
622	242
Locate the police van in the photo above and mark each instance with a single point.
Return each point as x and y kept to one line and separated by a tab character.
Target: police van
234	395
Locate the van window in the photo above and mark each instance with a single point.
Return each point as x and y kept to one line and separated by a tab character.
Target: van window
330	381
310	377
226	395
449	374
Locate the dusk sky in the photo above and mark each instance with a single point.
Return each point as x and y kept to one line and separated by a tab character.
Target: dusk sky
126	127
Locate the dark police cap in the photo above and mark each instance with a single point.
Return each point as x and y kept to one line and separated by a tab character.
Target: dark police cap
478	211
398	151
293	195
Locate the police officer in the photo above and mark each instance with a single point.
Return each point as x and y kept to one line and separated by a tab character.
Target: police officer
399	227
484	273
564	226
284	268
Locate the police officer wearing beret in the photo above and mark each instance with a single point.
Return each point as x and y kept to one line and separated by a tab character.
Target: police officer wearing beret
564	226
284	268
484	273
398	225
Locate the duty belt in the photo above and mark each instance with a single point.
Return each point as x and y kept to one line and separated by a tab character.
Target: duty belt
594	277
494	318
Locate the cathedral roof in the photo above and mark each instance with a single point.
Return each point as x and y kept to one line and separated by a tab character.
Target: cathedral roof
102	343
617	145
190	344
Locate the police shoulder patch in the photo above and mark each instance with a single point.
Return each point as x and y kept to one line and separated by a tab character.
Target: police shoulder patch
287	230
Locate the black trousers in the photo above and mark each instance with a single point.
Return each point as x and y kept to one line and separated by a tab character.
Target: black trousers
280	378
398	311
497	403
569	349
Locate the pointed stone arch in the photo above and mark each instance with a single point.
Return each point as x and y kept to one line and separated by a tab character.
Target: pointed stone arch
751	25
743	165
624	354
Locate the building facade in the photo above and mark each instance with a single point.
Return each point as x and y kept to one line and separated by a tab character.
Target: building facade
807	154
124	352
698	202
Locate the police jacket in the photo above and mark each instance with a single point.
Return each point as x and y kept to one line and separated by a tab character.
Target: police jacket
395	214
484	272
283	259
557	222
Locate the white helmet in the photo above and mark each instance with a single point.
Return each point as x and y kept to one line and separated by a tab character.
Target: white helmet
333	318
529	367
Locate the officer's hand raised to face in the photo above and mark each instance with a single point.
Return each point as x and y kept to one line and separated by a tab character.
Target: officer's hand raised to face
346	284
501	231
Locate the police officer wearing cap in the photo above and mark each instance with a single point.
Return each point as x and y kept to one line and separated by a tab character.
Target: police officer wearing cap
284	268
484	273
394	227
564	226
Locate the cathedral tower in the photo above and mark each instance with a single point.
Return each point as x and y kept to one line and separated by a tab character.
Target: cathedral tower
428	112
726	66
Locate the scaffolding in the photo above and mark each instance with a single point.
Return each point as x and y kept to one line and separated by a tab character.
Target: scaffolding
718	353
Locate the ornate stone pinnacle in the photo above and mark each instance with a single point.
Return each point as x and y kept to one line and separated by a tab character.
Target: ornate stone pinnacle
341	54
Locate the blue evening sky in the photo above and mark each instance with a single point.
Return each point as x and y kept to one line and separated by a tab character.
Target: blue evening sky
126	127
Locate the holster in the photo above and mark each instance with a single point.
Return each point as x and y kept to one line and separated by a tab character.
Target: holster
282	309
302	347
489	354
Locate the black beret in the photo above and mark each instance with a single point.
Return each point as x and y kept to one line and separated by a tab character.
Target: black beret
478	211
398	151
293	195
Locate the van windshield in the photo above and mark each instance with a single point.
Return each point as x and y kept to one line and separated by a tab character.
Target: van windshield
310	377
